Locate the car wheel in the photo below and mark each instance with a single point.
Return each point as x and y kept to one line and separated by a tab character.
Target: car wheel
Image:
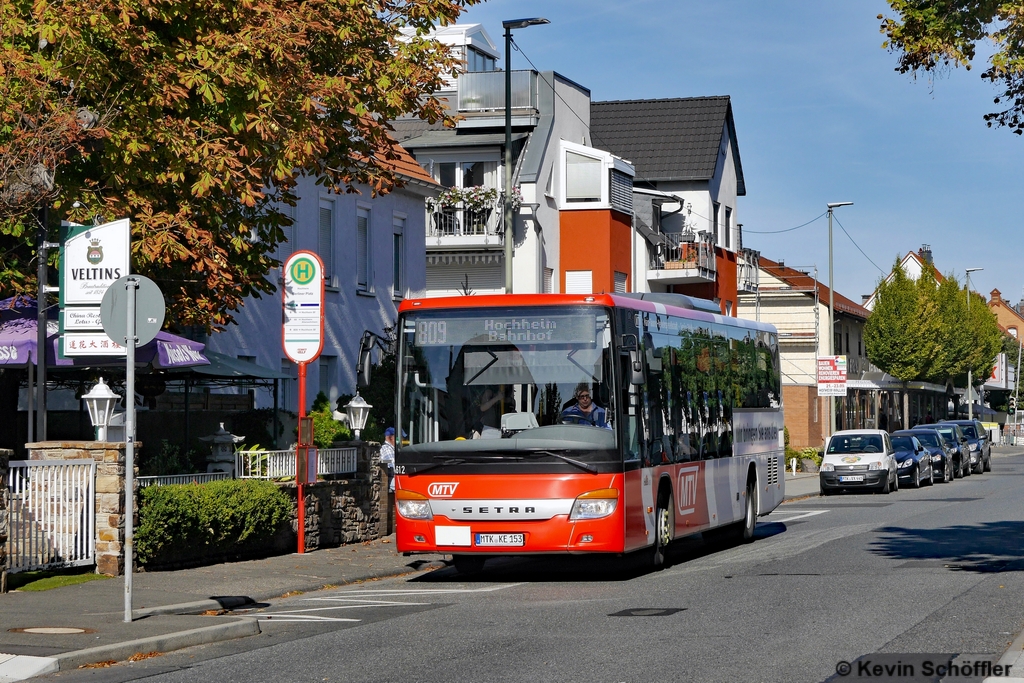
981	466
988	464
886	487
827	492
916	483
895	481
931	474
958	470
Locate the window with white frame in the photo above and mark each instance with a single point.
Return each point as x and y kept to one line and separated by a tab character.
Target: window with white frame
549	280
582	178
325	237
579	282
397	258
363	271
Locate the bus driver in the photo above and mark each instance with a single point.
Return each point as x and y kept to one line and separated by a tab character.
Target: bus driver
584	411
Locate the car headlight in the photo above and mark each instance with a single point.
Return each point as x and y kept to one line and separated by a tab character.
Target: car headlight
413	505
974	447
937	458
875	466
828	467
906	463
595	504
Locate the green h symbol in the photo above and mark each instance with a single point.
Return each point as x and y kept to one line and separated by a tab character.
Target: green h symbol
303	271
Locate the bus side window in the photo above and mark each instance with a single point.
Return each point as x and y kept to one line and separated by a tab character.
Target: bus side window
629	403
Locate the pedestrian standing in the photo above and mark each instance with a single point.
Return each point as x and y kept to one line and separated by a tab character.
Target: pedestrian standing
387	456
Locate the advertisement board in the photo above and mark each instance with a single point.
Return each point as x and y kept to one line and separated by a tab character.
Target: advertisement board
831	375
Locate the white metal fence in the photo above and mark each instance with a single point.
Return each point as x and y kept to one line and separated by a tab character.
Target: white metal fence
279	464
198	478
52	514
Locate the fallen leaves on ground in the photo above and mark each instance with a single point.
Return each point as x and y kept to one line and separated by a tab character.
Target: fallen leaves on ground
139	656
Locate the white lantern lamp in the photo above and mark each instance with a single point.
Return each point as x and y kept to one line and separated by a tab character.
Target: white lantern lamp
358	412
100	402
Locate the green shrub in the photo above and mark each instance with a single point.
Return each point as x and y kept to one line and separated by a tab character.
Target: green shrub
811	453
196	522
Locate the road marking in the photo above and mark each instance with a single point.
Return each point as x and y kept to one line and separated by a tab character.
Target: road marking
800	516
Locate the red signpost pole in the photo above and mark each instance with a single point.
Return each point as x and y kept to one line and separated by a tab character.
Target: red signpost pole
299	472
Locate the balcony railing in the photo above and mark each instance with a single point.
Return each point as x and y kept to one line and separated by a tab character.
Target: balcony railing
748	271
279	464
459	225
485	90
686	251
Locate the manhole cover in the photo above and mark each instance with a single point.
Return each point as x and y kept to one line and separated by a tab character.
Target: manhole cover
52	630
648	612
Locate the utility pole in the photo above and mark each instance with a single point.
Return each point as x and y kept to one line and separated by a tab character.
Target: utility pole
970	370
832	313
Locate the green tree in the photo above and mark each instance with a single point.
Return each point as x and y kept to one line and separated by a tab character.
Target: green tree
935	36
987	337
894	334
196	118
952	333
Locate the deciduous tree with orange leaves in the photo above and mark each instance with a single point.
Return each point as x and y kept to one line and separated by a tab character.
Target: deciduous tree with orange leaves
195	118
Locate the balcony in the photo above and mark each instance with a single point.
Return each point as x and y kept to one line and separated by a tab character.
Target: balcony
748	271
465	225
481	97
683	259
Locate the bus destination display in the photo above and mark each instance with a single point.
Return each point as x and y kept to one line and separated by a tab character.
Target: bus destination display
517	329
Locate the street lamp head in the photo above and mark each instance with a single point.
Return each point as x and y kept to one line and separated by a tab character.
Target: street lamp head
833	205
973	270
523	23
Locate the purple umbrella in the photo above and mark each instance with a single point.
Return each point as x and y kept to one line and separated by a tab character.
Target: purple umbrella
18	343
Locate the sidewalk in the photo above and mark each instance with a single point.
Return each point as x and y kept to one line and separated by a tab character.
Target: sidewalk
169	606
801	485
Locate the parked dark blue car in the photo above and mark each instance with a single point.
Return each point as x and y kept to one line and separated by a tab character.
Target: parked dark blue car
913	462
942	456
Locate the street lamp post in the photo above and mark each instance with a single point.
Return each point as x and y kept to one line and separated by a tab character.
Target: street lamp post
832	312
970	372
507	203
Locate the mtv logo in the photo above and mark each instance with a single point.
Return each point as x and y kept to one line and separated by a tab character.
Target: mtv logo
442	489
688	489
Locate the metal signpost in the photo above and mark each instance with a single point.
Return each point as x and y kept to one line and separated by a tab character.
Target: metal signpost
132	312
302	336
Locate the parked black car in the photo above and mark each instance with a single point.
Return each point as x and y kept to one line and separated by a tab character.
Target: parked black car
981	446
954	437
942	456
913	462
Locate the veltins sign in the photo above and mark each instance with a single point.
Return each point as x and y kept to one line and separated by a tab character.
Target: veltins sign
91	259
831	375
303	293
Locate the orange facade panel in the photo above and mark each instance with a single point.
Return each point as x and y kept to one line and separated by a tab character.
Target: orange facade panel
598	241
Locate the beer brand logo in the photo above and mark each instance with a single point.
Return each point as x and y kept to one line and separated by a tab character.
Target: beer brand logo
302	271
95	253
442	490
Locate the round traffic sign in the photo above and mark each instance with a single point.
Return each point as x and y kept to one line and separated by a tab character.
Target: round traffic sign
149	309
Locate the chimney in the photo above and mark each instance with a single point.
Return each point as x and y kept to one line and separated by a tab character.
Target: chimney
864	298
925	252
996	296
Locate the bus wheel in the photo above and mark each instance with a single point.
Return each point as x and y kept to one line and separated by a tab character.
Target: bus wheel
750	516
664	529
468	564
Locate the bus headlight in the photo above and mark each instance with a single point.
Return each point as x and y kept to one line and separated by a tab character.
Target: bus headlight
595	504
412	505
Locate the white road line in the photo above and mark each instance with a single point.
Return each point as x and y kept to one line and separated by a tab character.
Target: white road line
421	591
800	516
289	617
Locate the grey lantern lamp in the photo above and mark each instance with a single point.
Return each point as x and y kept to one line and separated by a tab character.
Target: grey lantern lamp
100	402
358	412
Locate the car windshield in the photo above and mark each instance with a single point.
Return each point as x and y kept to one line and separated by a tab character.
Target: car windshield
471	375
855	443
903	443
927	438
969	431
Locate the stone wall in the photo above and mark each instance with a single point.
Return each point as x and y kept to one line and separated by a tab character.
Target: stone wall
110	493
5	457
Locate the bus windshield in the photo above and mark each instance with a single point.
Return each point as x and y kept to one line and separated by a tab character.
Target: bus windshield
491	380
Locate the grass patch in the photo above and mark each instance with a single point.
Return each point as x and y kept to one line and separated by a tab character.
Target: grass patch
47	580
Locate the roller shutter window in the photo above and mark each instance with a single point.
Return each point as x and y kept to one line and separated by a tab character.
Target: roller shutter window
325	237
453	279
363	249
579	282
620	282
549	279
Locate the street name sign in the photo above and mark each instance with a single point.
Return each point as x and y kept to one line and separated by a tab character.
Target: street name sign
831	375
303	318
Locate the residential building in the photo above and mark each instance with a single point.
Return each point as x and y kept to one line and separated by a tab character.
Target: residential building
1009	317
372	248
797	303
572	223
688	179
913	265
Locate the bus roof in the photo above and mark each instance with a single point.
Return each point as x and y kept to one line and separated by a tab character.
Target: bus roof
627	301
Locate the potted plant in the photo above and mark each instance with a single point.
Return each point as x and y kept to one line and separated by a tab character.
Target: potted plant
478	201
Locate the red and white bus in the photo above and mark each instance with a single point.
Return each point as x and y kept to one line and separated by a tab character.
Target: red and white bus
559	423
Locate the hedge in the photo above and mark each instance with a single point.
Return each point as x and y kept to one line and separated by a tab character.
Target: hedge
193	523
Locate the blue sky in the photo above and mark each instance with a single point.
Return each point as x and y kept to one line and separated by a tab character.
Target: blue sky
821	116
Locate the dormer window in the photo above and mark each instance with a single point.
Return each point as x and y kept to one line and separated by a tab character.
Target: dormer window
582	178
590	178
478	61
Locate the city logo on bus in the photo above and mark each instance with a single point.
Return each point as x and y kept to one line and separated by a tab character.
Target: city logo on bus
688	490
303	271
442	489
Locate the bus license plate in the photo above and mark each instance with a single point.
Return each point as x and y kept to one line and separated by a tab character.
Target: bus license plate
501	539
854	477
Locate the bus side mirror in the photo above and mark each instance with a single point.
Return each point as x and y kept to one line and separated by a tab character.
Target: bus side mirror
636	368
363	365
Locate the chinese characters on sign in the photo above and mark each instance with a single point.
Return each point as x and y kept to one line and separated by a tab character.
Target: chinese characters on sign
831	375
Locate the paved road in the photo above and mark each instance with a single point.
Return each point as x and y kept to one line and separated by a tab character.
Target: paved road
864	578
